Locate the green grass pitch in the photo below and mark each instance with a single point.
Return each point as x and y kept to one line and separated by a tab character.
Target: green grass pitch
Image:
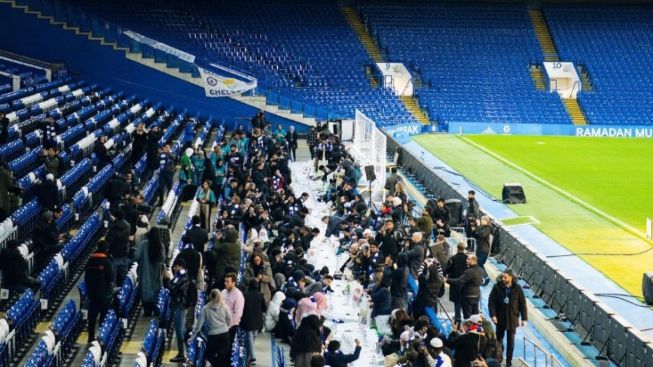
592	195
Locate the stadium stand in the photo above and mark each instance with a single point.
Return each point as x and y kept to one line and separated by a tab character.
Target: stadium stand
79	140
613	47
473	60
305	55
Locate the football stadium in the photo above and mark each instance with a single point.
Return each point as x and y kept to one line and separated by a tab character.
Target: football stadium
309	183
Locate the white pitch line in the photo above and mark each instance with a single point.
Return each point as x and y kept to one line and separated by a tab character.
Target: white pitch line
564	193
530	217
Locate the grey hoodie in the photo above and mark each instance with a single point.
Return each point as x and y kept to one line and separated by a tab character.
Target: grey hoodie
217	318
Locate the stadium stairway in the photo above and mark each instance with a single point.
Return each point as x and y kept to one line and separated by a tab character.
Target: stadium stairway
550	52
160	65
585	78
373	49
414	108
537	76
366	39
543	35
574	111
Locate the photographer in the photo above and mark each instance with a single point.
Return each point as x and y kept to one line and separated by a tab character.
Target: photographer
387	238
415	254
482	231
431	281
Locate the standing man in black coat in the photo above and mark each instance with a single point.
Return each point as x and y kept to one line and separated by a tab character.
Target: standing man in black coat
312	139
291	139
152	152
415	254
99	284
167	172
198	236
455	268
470	283
506	304
118	239
139	142
482	231
252	321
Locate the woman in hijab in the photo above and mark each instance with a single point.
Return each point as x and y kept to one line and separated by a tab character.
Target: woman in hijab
186	172
307	341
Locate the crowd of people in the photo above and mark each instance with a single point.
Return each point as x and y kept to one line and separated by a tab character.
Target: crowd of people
385	247
243	185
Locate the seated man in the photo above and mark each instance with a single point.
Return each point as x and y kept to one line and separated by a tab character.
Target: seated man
15	269
46	239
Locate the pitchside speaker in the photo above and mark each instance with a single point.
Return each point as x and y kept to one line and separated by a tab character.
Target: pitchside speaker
513	193
647	287
369	173
455	207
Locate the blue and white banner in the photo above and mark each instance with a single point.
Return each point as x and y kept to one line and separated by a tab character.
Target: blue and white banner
160	46
616	131
402	133
216	85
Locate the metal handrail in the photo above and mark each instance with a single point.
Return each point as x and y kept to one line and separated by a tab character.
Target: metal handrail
408	83
576	85
535	349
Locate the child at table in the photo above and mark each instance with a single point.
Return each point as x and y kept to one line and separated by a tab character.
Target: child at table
335	358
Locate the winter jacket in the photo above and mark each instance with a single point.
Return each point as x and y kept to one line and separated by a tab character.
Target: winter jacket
99	277
149	273
14	268
482	235
382	301
178	287
272	313
470	282
118	238
399	284
253	311
507	314
307	336
438	251
415	259
216	317
456	266
339	359
227	253
199	237
467	347
266	283
425	224
430	283
388	244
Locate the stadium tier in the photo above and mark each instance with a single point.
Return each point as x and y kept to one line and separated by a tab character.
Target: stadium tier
473	60
613	44
299	51
225	231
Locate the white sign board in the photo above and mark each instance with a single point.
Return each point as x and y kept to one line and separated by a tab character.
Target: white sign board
563	78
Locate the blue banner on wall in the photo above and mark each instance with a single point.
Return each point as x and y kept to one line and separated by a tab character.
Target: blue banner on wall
403	132
626	131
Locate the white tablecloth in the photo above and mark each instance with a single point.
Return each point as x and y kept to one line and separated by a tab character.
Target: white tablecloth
343	315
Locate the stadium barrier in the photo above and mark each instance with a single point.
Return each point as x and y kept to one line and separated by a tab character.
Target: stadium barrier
574	310
626	131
